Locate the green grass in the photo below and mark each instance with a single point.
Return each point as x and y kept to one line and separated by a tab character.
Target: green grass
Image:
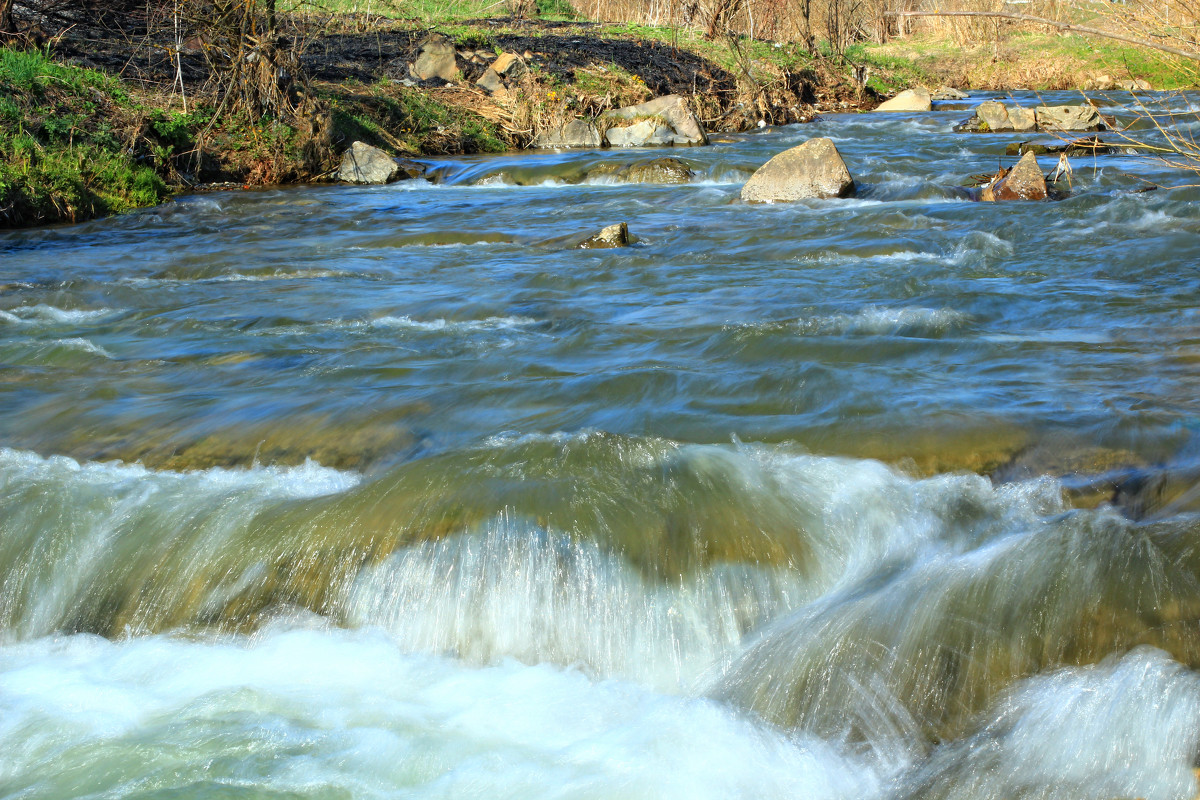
401	119
1020	59
429	11
889	72
60	158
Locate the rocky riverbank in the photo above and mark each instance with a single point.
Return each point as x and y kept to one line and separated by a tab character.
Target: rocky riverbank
113	143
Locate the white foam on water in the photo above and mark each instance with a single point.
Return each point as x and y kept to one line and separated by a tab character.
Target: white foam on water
72	528
515	587
981	243
515	590
326	712
239	277
440	324
83	346
47	314
1129	727
22	467
1059	336
884	321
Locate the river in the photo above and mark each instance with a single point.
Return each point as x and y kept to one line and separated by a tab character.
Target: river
358	492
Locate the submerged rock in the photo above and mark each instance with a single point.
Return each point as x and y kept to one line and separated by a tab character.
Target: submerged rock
663	120
1091	145
660	170
1023	182
363	163
612	236
908	100
576	133
814	169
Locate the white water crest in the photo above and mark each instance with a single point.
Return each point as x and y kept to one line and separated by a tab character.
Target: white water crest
326	713
1129	727
76	532
881	321
441	324
51	315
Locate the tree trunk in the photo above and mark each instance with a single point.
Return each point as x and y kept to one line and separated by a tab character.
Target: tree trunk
8	25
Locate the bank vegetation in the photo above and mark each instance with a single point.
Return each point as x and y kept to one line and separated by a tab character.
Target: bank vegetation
107	107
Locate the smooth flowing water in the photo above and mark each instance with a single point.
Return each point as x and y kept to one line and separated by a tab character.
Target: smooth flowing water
355	492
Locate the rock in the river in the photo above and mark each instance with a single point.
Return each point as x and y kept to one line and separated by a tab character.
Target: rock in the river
576	133
1023	182
660	170
908	100
1069	118
612	236
1021	119
991	116
813	169
650	132
670	111
943	93
437	59
363	163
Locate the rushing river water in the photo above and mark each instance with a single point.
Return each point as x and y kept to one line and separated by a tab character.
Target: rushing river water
356	492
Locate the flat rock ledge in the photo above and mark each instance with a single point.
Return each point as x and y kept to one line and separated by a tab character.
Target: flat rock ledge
995	117
814	169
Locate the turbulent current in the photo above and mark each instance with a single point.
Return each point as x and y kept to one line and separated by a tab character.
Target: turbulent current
390	492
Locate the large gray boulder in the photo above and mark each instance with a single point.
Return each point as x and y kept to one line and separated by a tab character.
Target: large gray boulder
437	59
576	133
1069	118
813	169
908	100
363	163
669	111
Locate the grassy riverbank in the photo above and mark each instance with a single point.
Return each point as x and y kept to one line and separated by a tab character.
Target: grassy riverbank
77	142
68	144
